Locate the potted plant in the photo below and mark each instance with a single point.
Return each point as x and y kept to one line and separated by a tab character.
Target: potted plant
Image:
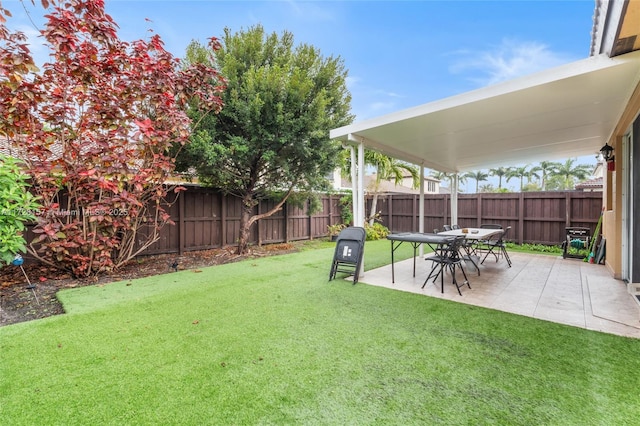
334	230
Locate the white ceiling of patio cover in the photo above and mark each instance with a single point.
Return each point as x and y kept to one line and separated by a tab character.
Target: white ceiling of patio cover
559	113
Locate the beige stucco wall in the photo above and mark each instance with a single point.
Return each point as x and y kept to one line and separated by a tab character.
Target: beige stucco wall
612	196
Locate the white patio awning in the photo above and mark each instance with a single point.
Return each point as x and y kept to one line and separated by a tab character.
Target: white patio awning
563	112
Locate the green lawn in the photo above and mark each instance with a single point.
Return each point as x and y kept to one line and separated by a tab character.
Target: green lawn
271	341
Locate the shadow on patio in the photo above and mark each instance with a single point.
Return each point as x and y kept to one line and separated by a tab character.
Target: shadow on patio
567	291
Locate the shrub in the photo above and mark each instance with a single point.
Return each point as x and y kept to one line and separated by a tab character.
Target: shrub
17	206
377	231
334	230
535	248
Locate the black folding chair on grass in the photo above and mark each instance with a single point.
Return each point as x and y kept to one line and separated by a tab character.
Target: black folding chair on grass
497	247
448	258
348	254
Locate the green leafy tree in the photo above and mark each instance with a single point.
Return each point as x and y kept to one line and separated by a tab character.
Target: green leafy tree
543	170
478	176
487	188
500	173
531	187
271	138
567	174
17	207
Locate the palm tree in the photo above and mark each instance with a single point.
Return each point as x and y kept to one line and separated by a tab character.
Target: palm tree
500	172
479	176
448	176
520	173
387	168
568	173
546	169
532	174
441	175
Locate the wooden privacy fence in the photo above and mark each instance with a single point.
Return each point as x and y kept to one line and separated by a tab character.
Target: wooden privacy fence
534	217
205	218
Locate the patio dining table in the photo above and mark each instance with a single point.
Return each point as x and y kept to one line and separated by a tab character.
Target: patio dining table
473	235
416	239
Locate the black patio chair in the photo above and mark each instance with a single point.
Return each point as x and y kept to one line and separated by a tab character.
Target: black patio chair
491	226
439	247
448	258
349	251
446	227
497	247
455	226
486	242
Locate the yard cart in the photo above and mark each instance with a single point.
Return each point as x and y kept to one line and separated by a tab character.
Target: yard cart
576	243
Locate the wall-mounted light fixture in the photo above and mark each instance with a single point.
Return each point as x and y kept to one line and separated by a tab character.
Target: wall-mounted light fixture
607	152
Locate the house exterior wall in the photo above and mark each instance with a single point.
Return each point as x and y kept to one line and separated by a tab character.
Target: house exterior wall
613	194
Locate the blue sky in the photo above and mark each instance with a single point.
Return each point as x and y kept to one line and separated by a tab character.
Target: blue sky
399	54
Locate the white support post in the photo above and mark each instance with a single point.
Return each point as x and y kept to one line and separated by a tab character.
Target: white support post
361	171
357	187
421	208
454	199
354	183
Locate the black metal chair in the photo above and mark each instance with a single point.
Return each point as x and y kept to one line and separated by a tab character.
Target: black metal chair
455	226
480	244
491	226
348	253
497	247
446	227
449	258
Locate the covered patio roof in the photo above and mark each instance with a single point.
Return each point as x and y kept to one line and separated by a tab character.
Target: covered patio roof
563	112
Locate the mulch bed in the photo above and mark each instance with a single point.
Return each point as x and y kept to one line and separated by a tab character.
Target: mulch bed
19	303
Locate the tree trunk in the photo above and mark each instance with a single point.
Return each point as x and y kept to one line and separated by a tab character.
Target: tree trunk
245	225
247	218
374	206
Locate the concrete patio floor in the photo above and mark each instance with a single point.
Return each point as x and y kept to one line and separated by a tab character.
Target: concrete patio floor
566	291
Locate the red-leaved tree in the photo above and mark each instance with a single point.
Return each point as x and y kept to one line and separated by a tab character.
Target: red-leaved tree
95	127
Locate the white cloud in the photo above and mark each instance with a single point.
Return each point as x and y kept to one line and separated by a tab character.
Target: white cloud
381	106
351	82
311	11
369	102
509	60
381	92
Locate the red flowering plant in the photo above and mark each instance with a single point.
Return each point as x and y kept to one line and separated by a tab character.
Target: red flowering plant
95	127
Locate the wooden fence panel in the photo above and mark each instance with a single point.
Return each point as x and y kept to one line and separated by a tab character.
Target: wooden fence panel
169	237
467	211
231	225
200	220
271	229
320	220
435	211
398	211
534	217
205	218
297	223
